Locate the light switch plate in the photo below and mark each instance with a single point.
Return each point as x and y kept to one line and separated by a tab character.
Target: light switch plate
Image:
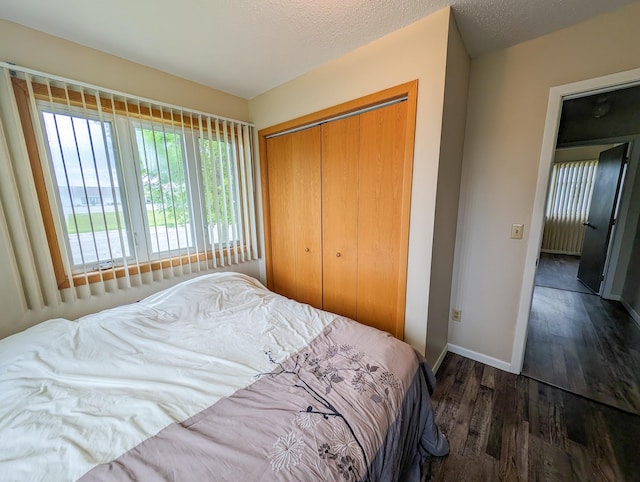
516	231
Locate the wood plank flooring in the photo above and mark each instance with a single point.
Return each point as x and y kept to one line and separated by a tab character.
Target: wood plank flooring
560	272
502	426
586	345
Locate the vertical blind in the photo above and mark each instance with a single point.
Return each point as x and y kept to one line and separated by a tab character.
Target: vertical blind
132	189
568	206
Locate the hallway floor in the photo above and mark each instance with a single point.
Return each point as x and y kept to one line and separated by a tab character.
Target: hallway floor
559	271
586	345
508	427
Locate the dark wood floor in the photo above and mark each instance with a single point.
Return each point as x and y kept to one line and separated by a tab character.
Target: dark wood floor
559	271
586	345
502	426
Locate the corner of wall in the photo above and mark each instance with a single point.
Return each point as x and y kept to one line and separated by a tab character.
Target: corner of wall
447	192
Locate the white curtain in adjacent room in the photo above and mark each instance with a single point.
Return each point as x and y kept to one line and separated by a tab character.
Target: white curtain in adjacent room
568	206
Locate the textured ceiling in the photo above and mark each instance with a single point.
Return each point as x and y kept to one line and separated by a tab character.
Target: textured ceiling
246	47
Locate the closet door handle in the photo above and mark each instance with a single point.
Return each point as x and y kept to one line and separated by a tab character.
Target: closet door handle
306	250
338	255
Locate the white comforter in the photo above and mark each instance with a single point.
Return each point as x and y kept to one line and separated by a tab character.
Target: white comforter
135	369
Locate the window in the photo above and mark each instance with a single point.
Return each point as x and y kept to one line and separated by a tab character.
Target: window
82	159
165	204
129	186
568	205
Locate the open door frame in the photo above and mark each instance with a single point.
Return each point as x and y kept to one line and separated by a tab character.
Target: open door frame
554	109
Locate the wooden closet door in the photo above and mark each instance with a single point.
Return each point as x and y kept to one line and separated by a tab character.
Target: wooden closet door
340	155
294	180
382	244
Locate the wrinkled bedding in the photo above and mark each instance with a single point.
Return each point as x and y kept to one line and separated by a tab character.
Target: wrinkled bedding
216	378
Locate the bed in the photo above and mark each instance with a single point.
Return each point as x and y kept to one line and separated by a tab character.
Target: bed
216	378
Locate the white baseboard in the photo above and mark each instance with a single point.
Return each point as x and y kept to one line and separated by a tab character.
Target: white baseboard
479	357
438	362
556	251
632	313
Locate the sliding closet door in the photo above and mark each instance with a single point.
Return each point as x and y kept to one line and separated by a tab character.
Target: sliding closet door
294	174
382	244
340	158
336	207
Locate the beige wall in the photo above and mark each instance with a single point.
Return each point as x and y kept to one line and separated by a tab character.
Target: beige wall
414	52
448	191
507	105
39	51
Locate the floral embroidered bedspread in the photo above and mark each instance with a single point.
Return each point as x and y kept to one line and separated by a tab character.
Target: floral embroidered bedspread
214	379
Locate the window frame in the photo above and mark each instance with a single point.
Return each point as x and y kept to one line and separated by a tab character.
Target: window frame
124	113
142	225
85	114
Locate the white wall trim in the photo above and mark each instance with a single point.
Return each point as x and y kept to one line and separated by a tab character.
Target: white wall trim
438	362
635	316
479	357
559	251
554	109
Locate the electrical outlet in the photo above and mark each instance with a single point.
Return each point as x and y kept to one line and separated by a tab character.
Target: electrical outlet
456	315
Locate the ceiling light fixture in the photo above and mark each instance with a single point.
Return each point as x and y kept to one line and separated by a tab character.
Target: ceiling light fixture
601	107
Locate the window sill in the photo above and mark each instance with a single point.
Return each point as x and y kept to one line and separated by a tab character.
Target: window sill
121	271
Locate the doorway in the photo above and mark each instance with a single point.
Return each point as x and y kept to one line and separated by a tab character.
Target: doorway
576	338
